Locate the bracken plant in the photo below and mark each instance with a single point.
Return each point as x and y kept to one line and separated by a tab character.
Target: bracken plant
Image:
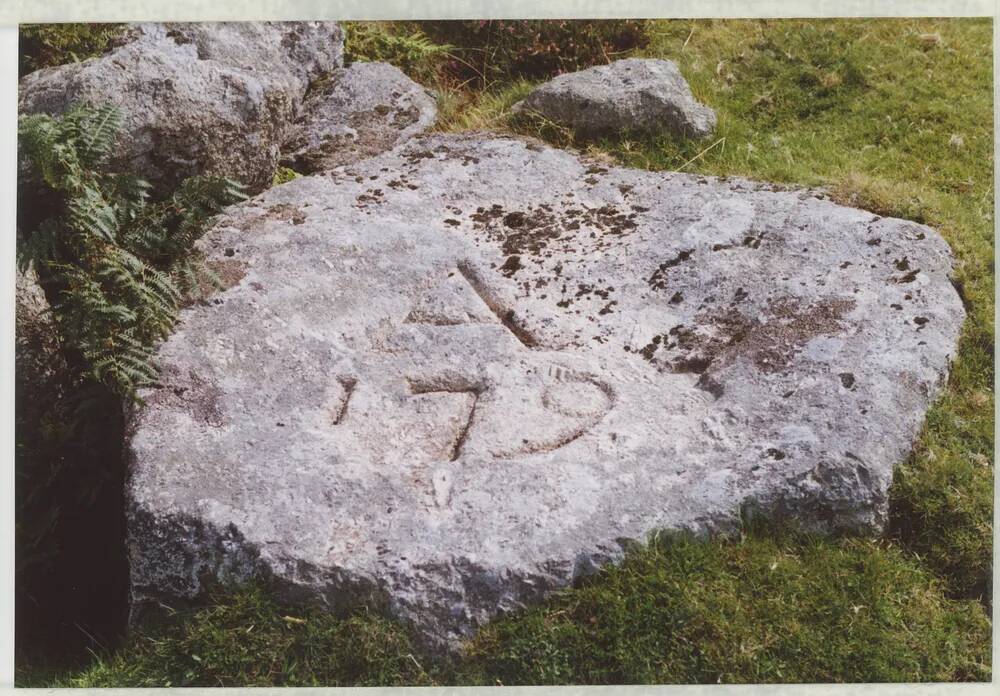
113	259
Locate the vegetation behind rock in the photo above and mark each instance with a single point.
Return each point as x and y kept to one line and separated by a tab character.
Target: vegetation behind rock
45	45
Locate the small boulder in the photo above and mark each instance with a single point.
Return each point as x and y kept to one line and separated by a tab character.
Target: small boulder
632	94
363	110
213	98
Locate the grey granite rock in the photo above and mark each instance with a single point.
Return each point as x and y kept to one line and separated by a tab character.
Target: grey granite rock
451	379
631	94
197	98
40	370
360	111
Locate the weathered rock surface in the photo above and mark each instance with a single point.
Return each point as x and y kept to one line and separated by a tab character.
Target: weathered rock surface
210	98
631	94
362	110
453	378
40	369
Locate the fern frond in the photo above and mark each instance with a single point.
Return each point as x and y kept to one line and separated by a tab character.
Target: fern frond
93	216
116	257
97	130
39	248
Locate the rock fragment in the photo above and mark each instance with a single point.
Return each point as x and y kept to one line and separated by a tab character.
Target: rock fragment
634	94
358	111
41	371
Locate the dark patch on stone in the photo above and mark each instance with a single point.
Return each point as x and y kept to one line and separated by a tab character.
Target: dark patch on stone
707	383
721	338
284	212
531	231
514	220
697	364
907	278
414	156
180	39
512	265
658	280
650	348
847	379
229	273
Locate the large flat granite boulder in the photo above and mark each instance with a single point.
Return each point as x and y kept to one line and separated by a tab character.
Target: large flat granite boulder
206	98
451	379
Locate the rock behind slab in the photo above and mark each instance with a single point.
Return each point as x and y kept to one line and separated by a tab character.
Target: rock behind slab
211	98
41	371
632	94
451	379
359	111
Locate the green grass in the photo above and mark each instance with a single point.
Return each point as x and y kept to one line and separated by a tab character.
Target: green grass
767	608
283	175
245	639
891	115
761	610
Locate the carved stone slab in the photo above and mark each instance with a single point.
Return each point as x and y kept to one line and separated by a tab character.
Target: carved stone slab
451	379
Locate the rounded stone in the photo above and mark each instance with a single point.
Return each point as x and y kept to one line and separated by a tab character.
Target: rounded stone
632	94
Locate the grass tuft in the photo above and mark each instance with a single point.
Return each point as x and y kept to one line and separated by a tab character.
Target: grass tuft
246	639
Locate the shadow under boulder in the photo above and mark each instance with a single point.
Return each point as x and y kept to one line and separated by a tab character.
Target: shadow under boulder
71	580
